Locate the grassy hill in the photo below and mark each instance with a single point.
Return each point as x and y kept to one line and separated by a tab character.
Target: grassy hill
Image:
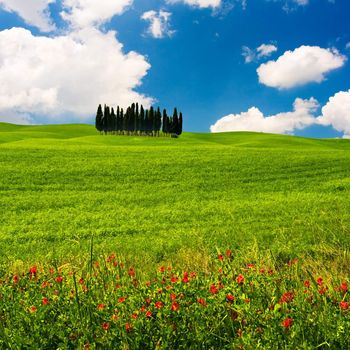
162	199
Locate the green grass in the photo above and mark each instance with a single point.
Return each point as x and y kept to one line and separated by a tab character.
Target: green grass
167	200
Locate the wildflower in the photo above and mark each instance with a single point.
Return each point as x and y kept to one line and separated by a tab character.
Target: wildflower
344	305
163	280
344	287
322	290
307	284
185	278
15	279
158	304
229	253
101	307
220	285
128	327
262	270
292	262
168	287
51	270
59	279
247	300
33	271
286	298
105	326
134	316
148	301
240	279
230	297
172	296
162	269
287	323
121	300
221	257
32	309
250	266
149	314
115	317
202	301
81	280
45	301
213	289
86	347
131	272
175	306
174	279
270	271
193	274
143	308
319	281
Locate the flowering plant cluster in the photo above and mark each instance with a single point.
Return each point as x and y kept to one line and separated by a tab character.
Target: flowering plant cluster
110	304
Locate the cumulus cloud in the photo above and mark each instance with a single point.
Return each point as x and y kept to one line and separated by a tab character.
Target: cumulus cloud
337	112
198	3
303	65
159	23
33	12
301	117
264	50
84	13
67	75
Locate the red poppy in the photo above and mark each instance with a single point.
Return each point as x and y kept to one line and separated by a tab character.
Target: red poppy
162	269
101	307
45	301
128	327
131	272
32	309
174	279
15	279
59	279
134	316
105	326
143	308
172	296
220	285
33	270
193	274
319	281
287	323
286	298
81	280
149	314
158	304
202	301
175	306
344	287
250	266
213	289
121	299
221	257
230	297
322	290
240	279
262	270
307	284
344	305
229	253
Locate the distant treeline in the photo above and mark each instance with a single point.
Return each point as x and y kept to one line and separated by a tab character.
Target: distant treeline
138	121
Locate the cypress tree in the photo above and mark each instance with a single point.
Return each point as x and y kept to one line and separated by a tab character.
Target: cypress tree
165	122
175	122
158	120
146	123
180	125
136	118
113	125
99	118
117	126
106	119
141	120
151	120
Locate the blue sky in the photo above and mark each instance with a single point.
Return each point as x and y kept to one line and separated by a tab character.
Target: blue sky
297	82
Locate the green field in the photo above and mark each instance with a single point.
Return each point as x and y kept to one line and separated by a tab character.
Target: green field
161	200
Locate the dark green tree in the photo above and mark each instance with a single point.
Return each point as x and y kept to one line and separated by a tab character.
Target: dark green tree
99	119
179	132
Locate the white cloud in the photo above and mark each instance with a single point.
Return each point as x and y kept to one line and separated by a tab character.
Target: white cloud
337	112
85	13
303	65
57	77
248	54
33	12
347	46
265	50
159	23
282	123
198	3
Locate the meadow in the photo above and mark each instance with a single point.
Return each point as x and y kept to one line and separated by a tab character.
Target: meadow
270	199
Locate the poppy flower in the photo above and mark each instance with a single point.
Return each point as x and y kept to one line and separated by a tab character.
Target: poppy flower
149	314
307	284
175	306
221	257
287	323
105	326
32	309
158	304
230	297
229	253
162	269
45	301
344	305
134	316
132	272
121	299
319	281
202	301
128	327
240	279
59	279
172	296
15	279
185	278
33	270
213	289
101	307
344	287
174	279
286	298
